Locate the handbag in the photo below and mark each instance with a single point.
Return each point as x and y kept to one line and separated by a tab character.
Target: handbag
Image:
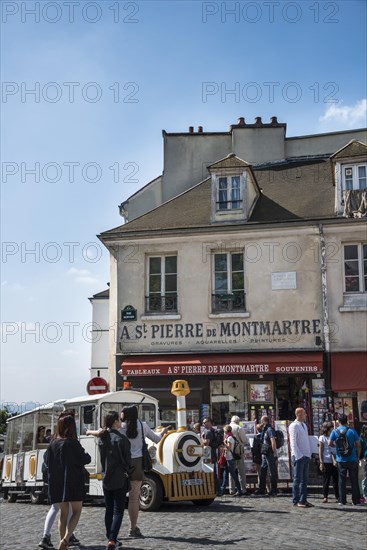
147	460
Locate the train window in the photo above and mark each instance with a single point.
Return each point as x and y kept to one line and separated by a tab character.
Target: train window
146	411
43	436
88	418
15	435
27	432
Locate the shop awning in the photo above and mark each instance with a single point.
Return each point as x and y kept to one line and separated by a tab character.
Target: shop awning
222	364
349	371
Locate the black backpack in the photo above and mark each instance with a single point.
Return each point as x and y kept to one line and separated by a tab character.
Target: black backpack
343	447
218	438
279	438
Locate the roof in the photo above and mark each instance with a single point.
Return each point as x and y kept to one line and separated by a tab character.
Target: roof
101	295
230	161
289	191
354	148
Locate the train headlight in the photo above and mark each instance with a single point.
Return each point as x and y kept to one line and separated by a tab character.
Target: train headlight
206	452
153	452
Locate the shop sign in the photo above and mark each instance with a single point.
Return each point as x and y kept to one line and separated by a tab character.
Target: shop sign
227	369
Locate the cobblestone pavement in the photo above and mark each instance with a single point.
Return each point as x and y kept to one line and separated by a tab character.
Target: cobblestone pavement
247	522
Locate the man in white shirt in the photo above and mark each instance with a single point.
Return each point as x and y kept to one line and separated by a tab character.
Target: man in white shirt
240	434
300	456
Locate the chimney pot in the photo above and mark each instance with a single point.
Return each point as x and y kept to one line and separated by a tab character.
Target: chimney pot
191	129
200	129
274	120
241	121
258	120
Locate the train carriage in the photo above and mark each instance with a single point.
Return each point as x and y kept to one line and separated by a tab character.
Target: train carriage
180	468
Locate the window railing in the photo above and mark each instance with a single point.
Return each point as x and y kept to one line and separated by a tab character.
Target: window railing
229	302
155	303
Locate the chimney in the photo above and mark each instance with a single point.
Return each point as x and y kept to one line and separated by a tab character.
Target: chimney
180	389
273	120
200	129
191	129
241	121
258	120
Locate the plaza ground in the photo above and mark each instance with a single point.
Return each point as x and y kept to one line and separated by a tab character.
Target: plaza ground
247	522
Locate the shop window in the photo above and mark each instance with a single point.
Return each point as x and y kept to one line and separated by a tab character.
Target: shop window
162	285
228	282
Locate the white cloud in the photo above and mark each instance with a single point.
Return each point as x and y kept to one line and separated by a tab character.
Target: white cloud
82	276
350	116
3	283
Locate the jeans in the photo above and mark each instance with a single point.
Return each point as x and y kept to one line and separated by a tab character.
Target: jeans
300	479
352	468
268	462
330	471
364	481
230	470
216	479
115	505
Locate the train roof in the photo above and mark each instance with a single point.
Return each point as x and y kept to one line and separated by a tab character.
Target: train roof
111	396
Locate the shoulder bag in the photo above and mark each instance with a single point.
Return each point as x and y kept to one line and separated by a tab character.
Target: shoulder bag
147	460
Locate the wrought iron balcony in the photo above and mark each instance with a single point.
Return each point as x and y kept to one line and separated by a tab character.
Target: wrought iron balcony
229	302
156	303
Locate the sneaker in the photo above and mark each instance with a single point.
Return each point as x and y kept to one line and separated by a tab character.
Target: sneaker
273	494
136	533
111	545
46	542
325	500
362	500
73	541
305	505
259	493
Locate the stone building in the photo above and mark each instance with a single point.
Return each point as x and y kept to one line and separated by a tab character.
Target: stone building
243	269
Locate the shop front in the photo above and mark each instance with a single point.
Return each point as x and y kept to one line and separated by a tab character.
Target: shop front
247	385
349	385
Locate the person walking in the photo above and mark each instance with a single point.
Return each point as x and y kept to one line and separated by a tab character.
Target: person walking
66	459
135	431
268	458
300	457
327	459
210	437
348	448
240	434
115	455
230	469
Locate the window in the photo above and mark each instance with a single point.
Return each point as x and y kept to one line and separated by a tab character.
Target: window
229	193
162	284
354	177
229	281
355	268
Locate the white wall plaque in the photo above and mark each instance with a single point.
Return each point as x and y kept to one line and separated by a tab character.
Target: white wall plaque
283	280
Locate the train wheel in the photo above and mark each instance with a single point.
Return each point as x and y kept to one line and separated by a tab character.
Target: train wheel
151	494
203	502
37	497
12	497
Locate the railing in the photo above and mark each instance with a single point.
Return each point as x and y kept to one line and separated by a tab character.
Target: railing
229	302
161	304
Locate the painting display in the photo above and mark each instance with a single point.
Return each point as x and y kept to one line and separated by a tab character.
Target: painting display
260	393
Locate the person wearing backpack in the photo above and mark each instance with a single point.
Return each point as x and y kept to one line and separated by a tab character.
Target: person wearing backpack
213	438
268	459
230	469
348	448
239	434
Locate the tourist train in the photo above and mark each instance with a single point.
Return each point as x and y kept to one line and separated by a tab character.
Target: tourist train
181	468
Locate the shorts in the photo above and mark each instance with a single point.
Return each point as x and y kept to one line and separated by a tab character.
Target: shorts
138	474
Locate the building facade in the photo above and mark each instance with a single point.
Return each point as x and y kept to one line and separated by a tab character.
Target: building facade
246	275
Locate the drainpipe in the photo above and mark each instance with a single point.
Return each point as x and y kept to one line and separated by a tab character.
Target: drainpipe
325	310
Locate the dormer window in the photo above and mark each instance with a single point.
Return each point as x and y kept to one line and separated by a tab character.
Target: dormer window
229	193
354	177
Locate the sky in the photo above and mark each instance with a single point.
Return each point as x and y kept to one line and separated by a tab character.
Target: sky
87	88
